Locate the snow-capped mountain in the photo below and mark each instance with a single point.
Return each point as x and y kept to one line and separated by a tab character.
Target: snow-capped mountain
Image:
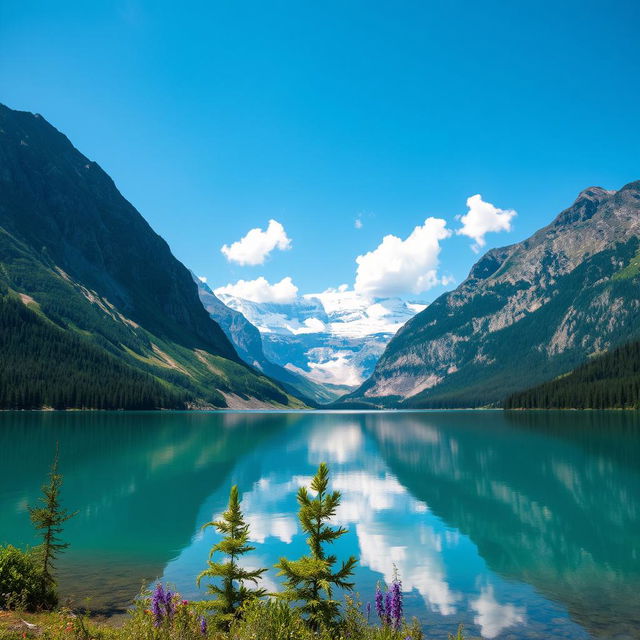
334	337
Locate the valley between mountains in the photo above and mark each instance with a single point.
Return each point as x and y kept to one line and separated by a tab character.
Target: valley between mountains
97	313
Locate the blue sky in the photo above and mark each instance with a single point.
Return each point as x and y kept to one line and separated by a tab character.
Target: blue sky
215	117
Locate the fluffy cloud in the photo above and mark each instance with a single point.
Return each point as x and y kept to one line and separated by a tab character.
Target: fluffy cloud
257	245
260	290
358	223
340	444
482	218
492	617
399	266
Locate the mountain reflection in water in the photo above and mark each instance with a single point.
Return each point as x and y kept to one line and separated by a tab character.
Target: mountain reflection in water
513	523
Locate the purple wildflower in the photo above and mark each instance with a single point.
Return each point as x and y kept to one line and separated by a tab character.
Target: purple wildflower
203	626
380	604
368	611
162	604
169	604
388	601
395	605
157	604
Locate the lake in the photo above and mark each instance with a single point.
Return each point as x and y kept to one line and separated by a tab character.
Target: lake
519	525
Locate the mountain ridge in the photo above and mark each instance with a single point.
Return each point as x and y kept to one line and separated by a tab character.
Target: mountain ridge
332	338
82	259
563	276
103	261
247	340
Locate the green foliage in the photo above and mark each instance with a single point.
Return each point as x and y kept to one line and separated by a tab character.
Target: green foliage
459	634
631	270
355	625
233	593
22	585
185	623
608	381
311	579
271	619
44	366
68	347
48	519
275	619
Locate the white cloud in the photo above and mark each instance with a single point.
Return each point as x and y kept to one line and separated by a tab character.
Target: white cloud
274	525
358	223
254	248
202	279
492	617
260	290
483	218
340	444
399	266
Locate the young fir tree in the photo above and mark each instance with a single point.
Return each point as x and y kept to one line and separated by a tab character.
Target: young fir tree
311	579
48	519
233	592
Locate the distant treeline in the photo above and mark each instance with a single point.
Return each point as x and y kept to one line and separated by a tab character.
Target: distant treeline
42	365
608	381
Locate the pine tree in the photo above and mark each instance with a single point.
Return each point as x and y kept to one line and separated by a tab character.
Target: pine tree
312	578
233	593
49	519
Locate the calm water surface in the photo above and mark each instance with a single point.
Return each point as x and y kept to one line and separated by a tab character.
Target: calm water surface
519	526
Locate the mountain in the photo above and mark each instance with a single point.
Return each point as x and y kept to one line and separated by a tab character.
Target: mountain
608	381
241	333
526	313
332	338
247	340
101	292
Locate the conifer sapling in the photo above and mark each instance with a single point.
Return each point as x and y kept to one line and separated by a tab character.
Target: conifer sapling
311	579
232	593
49	519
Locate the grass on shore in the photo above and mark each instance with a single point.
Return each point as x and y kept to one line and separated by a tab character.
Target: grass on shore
262	620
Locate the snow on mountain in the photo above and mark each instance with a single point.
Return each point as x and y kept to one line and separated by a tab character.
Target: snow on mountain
333	337
353	315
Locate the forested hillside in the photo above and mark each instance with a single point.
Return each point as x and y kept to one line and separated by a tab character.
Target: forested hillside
44	366
608	381
111	319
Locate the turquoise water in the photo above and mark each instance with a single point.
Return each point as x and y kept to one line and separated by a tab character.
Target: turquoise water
522	525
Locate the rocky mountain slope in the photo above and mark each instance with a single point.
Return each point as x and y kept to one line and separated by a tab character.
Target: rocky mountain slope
332	338
525	314
247	340
80	257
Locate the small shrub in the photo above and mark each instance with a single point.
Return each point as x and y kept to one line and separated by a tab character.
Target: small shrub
21	581
270	619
